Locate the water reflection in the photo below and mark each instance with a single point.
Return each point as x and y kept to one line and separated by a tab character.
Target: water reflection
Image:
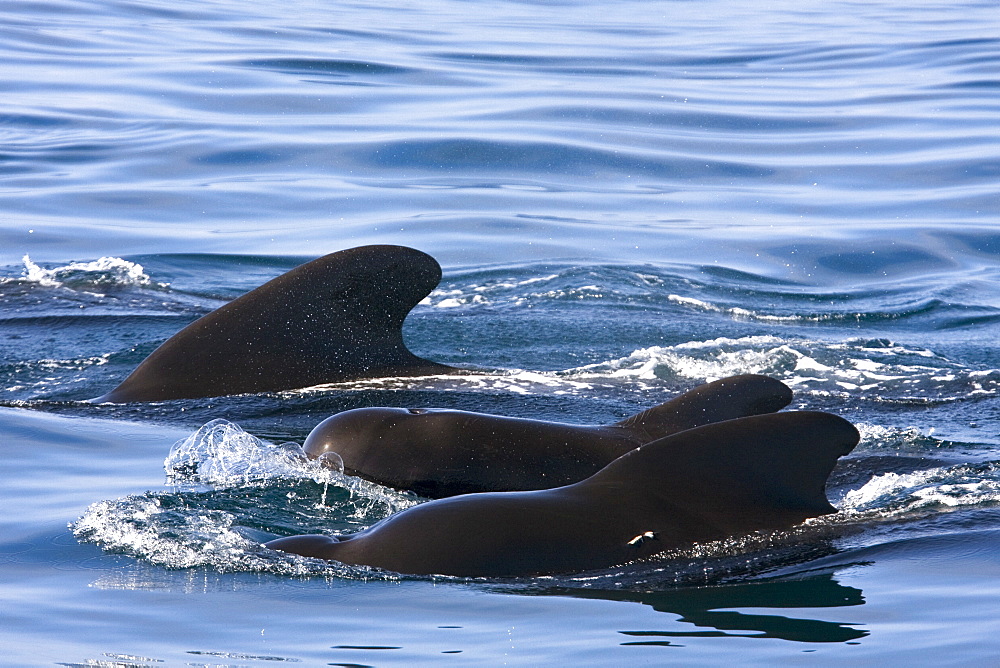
712	608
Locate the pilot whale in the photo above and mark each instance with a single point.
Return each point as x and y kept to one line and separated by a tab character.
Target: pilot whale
723	479
438	453
337	318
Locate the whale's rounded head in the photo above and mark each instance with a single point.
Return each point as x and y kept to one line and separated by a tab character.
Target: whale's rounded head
377	439
350	431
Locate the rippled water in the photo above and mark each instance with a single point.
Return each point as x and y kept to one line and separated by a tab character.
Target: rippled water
509	131
628	199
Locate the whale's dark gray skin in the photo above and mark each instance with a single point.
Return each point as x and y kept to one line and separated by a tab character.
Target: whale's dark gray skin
339	317
438	453
723	479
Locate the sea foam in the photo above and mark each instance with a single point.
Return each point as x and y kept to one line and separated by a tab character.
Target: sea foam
105	272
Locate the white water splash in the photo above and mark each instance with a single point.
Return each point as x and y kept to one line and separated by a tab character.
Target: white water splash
736	312
103	272
900	493
502	381
182	537
700	360
880	369
220	453
898	440
184	529
138	525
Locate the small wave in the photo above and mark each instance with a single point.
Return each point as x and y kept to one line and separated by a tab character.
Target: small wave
895	494
870	369
103	273
701	360
684	289
38	374
508	381
881	370
880	438
498	290
740	313
746	314
609	284
949	314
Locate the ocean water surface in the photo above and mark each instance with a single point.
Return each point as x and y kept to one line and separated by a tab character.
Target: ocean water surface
628	199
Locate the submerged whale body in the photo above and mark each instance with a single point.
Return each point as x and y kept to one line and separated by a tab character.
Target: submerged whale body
337	318
723	479
438	453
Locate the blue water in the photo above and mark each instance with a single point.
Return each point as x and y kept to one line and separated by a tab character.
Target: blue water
628	199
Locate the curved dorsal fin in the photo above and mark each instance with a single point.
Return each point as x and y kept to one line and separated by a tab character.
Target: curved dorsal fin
758	472
339	317
724	399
